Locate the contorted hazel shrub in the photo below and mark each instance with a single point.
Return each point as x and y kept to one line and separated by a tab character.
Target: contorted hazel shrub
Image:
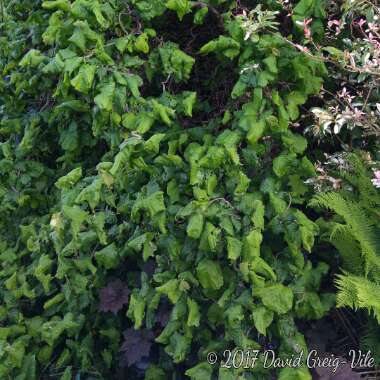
152	188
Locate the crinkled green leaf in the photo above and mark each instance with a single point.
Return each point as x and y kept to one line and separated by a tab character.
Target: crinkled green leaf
277	298
202	371
84	79
195	226
262	318
63	5
193	314
225	45
108	257
171	290
104	99
234	248
180	6
209	274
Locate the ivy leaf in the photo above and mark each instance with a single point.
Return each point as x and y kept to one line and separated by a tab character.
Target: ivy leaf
54	301
79	39
308	230
108	257
256	131
210	274
202	371
242	184
123	43
225	45
134	82
261	267
77	217
258	214
53	329
234	247
42	271
295	99
90	194
67	374
278	204
193	314
83	33
153	143
150	8
239	88
104	99
153	204
230	139
97	11
141	43
210	237
74	105
98	222
178	347
271	63
63	5
72	63
200	15
32	58
283	164
188	102
114	296
28	368
136	346
175	62
252	243
84	79
136	309
262	318
180	6
295	143
298	186
171	289
70	179
308	8
277	298
195	226
163	112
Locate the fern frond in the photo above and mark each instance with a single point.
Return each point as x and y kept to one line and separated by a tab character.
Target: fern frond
357	292
360	178
348	248
370	340
360	225
357	238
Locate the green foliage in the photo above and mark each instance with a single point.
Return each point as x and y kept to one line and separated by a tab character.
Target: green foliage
355	232
113	166
358	229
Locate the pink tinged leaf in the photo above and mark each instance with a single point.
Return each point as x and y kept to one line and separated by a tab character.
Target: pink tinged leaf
306	29
361	22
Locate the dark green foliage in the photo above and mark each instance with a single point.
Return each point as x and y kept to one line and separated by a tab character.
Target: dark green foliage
114	166
355	232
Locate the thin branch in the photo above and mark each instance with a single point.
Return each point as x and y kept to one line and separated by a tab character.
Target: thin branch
328	60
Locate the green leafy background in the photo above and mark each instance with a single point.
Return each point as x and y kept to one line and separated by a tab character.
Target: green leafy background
119	154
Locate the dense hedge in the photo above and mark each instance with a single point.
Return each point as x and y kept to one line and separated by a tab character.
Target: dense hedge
152	189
